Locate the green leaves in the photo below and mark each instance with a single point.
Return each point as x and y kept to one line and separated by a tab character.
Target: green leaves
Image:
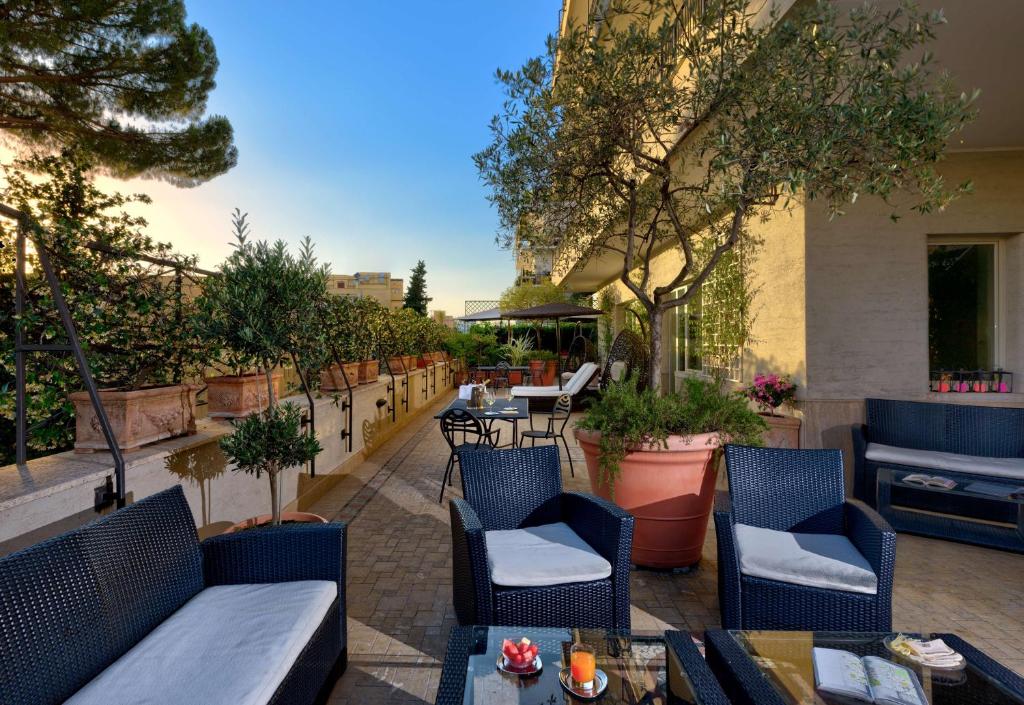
416	297
270	441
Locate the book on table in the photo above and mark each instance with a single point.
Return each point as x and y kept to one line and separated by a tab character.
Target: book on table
867	679
936	481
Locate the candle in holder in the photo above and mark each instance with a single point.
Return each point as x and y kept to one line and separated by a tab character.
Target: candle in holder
583	663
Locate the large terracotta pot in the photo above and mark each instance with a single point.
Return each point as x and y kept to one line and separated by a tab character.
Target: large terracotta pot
137	417
369	370
669	491
396	364
303	517
410	362
331	379
783	431
233	396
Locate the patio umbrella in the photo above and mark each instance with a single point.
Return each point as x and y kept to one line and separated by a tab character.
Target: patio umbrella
557	312
491	314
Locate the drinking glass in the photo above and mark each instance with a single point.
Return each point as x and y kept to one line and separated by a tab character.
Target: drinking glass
583	664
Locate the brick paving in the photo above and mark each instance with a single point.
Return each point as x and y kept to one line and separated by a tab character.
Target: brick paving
399	578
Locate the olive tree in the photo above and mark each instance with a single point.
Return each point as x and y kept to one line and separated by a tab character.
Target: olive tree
661	129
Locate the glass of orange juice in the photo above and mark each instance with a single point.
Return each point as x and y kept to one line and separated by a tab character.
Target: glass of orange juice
583	664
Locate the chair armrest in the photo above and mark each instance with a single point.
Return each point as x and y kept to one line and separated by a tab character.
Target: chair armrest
277	554
471	574
729	583
873	537
606	527
700	684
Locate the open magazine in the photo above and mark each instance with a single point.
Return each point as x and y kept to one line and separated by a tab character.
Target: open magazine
936	481
869	679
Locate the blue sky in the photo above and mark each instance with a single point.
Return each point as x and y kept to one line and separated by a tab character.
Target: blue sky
355	126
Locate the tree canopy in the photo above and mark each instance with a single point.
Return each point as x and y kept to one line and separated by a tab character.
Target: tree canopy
125	82
657	129
416	293
528	295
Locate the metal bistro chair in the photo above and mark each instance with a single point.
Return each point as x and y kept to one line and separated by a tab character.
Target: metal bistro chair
460	421
502	372
560	412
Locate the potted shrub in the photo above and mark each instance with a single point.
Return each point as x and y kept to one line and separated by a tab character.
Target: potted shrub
543	367
266	306
770	392
341	327
516	352
655	456
368	315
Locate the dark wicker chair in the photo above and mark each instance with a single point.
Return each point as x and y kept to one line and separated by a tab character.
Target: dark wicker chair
458	426
561	411
74	604
519	488
799	491
629	349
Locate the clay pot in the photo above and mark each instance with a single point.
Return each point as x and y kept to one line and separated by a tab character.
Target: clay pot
783	431
369	370
331	379
233	397
397	364
410	362
304	517
669	491
137	417
537	372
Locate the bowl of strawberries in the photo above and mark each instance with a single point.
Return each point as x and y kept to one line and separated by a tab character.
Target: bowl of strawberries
519	657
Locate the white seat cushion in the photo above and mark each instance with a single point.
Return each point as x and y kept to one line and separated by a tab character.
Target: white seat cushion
817	560
575	384
228	645
1011	468
551	554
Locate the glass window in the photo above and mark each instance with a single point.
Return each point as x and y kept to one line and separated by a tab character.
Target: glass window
688	335
962	306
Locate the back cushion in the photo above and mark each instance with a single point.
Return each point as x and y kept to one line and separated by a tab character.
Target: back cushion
72	605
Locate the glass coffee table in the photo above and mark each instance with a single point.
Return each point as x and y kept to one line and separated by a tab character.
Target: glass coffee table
775	668
650	668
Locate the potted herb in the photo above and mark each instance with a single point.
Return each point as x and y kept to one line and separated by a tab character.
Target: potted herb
770	392
655	456
264	306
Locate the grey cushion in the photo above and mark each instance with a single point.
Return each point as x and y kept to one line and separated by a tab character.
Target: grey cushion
1011	468
575	384
550	554
817	560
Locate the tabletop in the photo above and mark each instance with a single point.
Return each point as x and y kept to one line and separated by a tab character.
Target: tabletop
493	368
640	668
521	404
776	668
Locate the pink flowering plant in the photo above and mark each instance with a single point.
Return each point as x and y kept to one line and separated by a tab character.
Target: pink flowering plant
771	391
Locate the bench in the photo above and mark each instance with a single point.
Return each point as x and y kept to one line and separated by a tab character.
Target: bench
972	446
133	608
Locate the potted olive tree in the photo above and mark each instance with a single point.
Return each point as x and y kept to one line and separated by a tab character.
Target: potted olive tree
368	317
341	325
655	456
263	306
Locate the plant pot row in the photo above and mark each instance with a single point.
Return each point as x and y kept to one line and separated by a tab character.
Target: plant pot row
365	372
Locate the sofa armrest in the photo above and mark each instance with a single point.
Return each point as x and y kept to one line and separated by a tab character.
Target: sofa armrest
729	582
861	481
874	538
277	554
471	574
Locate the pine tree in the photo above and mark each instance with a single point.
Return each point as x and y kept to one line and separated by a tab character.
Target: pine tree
416	295
125	82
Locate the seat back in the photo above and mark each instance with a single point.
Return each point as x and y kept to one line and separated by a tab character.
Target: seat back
986	431
72	605
630	349
581	377
458	426
786	489
509	489
906	424
561	411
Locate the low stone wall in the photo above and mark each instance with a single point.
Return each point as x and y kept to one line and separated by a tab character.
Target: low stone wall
55	493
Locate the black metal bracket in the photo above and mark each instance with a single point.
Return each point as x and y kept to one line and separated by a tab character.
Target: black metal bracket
347	404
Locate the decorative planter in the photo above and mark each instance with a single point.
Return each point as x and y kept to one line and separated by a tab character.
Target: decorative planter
783	431
669	491
369	370
137	417
550	369
537	372
410	361
331	379
397	364
302	517
233	397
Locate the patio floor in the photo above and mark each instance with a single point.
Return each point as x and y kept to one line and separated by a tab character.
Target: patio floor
399	578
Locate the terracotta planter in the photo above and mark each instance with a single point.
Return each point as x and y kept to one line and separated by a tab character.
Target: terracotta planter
537	373
237	396
669	491
331	379
369	370
410	362
550	369
137	417
304	517
397	364
423	361
783	431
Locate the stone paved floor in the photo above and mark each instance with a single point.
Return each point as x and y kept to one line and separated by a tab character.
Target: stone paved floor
399	578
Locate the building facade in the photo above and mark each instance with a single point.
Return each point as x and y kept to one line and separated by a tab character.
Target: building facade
389	291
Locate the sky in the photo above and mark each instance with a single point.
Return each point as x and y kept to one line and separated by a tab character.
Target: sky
355	124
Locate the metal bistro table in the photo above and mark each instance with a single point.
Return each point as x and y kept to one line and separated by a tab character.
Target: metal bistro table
776	668
487	415
654	668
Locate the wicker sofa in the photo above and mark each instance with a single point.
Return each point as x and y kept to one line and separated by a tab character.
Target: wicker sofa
963	443
133	608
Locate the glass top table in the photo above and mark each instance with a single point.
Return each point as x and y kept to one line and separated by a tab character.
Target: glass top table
653	668
775	668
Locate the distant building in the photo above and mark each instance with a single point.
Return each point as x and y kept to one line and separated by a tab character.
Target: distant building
390	292
443	318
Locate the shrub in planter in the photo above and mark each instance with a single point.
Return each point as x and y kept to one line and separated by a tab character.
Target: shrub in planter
134	320
655	457
340	320
543	367
770	392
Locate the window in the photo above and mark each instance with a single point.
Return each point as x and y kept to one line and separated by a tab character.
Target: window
962	315
341	285
688	358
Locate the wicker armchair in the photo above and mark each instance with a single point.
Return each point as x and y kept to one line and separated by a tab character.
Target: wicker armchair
800	492
519	489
